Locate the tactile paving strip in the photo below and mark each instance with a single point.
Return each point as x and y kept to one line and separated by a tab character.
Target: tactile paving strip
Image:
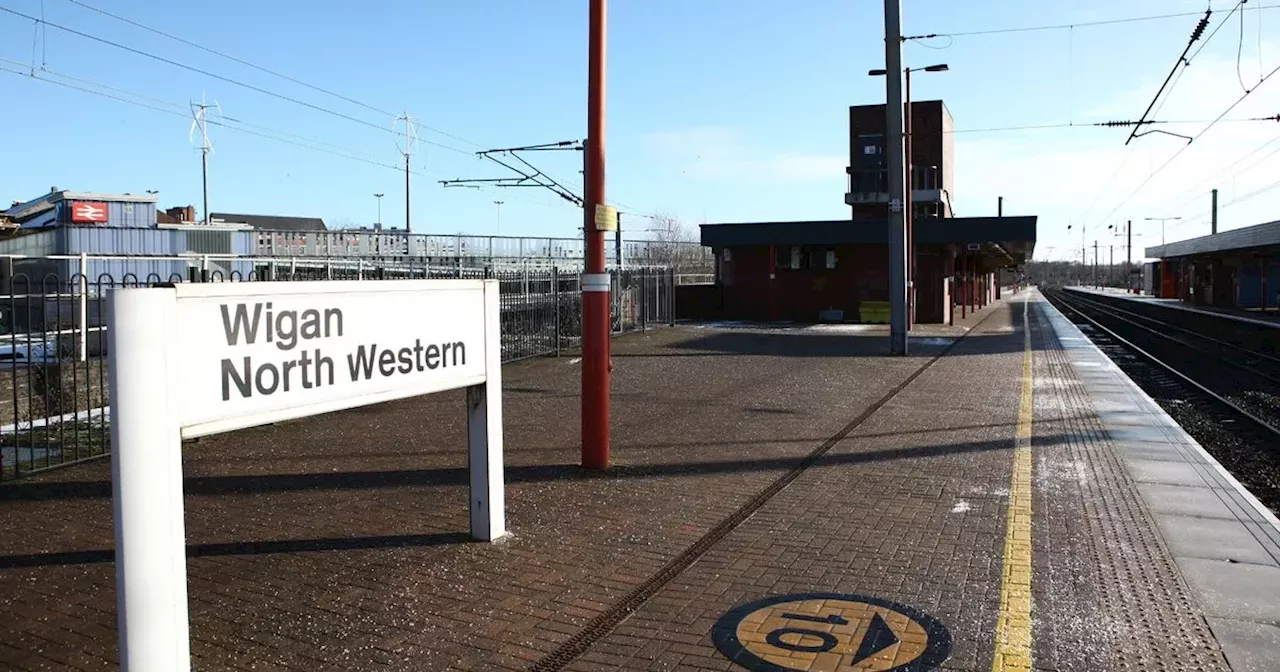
1145	618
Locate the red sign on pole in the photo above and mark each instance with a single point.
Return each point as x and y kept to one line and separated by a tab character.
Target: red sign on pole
84	211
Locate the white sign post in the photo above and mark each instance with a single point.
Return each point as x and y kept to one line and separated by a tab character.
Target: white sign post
200	359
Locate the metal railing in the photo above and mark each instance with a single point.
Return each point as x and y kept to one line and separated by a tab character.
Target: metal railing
494	251
53	336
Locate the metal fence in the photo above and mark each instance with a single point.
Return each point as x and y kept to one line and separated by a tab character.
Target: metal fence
53	341
481	250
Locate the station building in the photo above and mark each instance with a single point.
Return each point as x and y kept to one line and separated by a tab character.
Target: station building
120	232
838	270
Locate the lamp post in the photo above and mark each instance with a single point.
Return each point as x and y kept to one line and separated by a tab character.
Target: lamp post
499	206
1162	220
908	209
379	197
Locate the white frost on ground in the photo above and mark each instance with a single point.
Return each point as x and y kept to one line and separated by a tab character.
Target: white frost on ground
933	340
960	507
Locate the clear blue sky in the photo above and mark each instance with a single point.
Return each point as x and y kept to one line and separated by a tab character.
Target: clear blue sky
718	110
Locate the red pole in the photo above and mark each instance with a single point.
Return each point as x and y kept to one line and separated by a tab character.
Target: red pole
951	293
595	282
964	285
1264	284
773	314
972	282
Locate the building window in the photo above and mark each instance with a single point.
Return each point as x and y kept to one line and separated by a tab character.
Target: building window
831	258
870	149
787	256
816	258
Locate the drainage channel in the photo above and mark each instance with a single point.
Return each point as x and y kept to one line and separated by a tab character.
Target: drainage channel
606	621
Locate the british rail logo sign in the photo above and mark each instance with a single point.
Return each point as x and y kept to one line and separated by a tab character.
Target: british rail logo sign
86	212
831	631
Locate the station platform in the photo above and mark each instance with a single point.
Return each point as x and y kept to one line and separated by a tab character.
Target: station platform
781	499
1270	317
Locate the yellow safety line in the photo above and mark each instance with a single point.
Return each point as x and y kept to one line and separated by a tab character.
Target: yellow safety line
1013	627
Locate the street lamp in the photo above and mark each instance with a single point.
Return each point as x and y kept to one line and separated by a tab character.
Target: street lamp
499	204
908	213
379	197
1162	220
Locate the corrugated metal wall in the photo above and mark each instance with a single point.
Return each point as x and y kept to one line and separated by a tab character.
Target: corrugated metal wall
153	242
131	214
39	244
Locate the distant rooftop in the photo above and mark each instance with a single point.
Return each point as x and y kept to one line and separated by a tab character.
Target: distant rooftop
20	211
271	222
1250	238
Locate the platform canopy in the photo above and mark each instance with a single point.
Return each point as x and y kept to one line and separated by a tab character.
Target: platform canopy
1257	238
1008	240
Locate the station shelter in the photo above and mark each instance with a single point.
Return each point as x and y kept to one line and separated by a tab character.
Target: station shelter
1232	269
838	271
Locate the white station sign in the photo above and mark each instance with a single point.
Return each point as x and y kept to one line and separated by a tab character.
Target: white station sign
197	359
249	354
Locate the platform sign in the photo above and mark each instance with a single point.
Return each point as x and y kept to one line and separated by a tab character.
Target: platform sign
198	359
606	217
277	351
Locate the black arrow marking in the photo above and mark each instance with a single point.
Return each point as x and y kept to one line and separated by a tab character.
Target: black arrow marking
878	638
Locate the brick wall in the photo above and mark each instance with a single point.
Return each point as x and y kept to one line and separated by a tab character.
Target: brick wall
44	391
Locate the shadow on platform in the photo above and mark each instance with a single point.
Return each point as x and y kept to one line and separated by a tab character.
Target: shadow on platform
99	556
797	344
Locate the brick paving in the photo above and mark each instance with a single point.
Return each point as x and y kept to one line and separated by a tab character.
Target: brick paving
338	543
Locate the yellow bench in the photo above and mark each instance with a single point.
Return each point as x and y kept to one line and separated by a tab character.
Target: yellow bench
873	312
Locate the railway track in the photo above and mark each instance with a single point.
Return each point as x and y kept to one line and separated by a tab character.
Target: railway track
1225	396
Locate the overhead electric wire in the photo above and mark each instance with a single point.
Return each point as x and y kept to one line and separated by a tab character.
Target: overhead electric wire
1194	192
1179	67
229	80
185	114
1201	217
179	109
1240	52
122	99
1066	26
40	23
1098	124
1206	129
269	71
211	122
